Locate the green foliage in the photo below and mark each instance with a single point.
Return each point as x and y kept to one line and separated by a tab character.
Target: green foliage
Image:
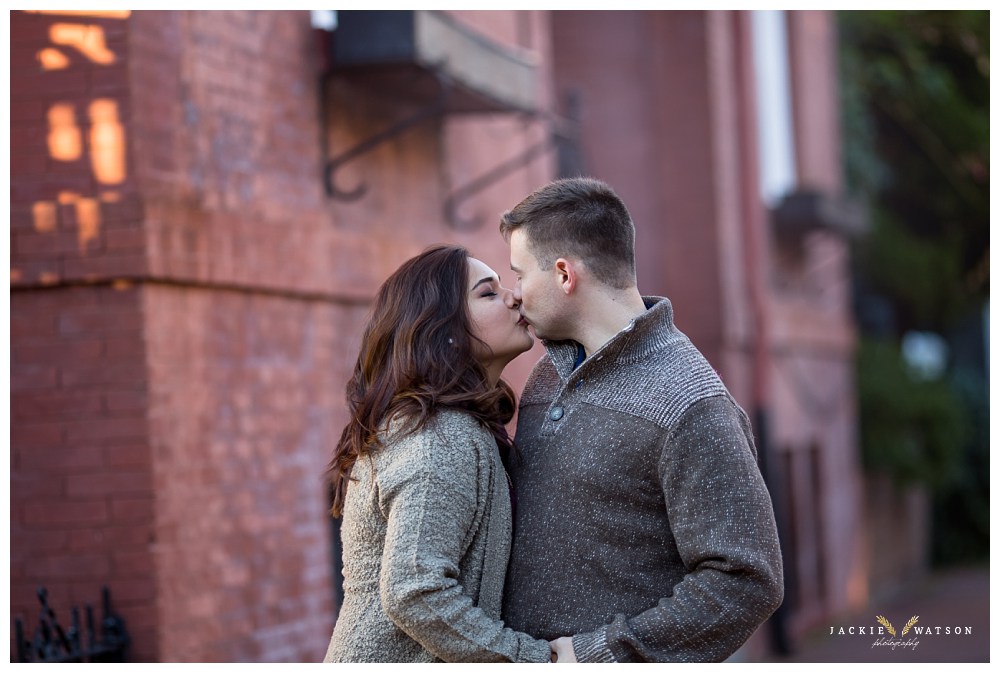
912	430
915	92
915	89
962	506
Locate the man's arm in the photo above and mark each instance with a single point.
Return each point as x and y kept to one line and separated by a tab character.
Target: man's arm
722	520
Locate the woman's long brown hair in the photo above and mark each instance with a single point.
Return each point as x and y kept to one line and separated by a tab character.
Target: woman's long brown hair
418	357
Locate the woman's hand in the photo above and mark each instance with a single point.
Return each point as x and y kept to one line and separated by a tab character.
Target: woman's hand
562	650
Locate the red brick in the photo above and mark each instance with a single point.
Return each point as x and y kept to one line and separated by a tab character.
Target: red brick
29	191
31	273
131	348
36	435
129	592
105	267
27	110
53	300
32	377
105	429
33	133
56	82
107	484
117	402
127	456
62	460
111	537
32	486
53	405
59	514
31	324
69	567
133	563
122	293
120	240
33	165
29	28
109	79
130	510
127	375
94	320
127	210
58	352
27	541
22	217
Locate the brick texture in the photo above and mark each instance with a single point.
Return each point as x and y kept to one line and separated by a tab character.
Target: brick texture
76	350
186	306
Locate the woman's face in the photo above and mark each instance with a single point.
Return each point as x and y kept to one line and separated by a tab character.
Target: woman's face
495	318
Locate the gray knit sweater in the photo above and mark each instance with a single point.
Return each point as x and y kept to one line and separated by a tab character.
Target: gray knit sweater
426	537
643	527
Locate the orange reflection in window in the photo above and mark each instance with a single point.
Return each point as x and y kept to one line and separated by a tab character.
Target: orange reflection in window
65	140
53	59
88	216
88	221
107	142
88	40
44	216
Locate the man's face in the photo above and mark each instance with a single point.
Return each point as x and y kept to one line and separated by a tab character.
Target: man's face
537	290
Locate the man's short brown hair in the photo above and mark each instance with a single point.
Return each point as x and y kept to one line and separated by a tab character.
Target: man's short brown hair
581	218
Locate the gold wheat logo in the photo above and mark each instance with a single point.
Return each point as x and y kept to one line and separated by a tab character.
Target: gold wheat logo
885	622
891	629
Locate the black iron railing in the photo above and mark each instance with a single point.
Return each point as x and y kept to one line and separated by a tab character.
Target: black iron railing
106	642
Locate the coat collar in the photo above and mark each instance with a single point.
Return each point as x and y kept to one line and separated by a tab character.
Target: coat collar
646	334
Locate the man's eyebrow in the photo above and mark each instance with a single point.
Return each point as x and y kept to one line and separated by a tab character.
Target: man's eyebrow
488	279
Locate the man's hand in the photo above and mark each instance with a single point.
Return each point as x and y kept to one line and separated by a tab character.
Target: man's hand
563	648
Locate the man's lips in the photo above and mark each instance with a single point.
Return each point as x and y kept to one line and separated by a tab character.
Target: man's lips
522	322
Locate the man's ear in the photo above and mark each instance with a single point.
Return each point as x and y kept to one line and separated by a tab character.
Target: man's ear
567	274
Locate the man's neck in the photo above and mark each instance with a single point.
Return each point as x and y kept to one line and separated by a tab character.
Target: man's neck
605	315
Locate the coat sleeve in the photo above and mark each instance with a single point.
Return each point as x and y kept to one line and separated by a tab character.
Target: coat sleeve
428	493
723	523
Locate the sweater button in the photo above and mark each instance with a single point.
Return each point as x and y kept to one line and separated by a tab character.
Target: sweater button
556	413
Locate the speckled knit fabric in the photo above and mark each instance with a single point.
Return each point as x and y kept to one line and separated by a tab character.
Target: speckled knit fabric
643	527
426	539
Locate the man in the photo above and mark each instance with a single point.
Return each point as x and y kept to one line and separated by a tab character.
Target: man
643	530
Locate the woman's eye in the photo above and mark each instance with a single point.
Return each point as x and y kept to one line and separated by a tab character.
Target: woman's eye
490	294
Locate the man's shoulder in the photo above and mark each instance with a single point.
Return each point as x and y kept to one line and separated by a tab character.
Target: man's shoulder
661	388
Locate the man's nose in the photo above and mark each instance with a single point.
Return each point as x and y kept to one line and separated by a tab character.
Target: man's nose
516	292
511	298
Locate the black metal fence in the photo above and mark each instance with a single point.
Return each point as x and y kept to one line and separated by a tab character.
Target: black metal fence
106	642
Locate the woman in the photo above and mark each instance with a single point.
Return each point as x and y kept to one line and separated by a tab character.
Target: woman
417	474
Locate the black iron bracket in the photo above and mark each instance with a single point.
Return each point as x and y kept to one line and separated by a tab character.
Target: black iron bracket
435	109
560	131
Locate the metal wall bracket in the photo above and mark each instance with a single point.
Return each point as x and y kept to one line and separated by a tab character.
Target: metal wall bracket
435	109
562	133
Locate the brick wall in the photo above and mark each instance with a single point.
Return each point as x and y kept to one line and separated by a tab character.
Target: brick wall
81	482
242	409
187	304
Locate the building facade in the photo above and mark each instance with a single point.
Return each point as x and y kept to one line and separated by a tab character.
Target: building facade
204	203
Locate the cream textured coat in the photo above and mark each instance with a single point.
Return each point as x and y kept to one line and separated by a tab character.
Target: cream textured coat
426	536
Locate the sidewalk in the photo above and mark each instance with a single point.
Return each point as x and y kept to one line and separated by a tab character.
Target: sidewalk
949	599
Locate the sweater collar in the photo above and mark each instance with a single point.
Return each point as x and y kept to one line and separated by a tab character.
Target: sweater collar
646	334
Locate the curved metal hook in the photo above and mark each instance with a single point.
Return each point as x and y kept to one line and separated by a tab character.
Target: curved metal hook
333	165
435	109
464	193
